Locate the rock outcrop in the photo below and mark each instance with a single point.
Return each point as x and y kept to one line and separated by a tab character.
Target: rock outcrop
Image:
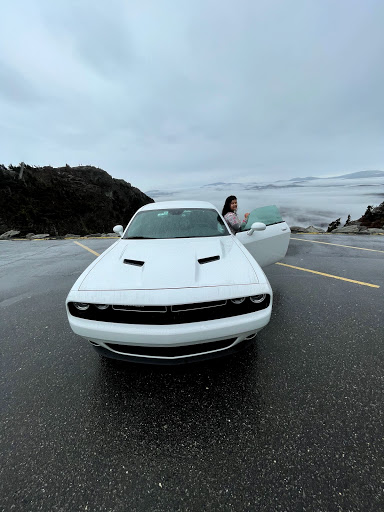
309	229
9	234
372	222
63	200
351	229
334	225
314	229
373	217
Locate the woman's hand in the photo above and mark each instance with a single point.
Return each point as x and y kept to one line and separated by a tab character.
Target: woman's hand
246	216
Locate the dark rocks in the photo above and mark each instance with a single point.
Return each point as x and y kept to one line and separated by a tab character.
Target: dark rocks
9	234
64	200
333	225
313	229
40	237
373	217
298	229
371	223
348	229
375	231
309	229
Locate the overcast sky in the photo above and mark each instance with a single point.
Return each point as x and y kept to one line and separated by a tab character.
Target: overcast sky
178	93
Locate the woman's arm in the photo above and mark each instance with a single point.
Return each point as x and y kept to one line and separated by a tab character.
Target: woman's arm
233	222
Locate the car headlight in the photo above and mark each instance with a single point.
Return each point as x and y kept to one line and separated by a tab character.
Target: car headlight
102	306
238	301
82	306
258	298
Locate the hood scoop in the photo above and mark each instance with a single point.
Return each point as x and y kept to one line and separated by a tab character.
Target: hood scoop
135	263
202	261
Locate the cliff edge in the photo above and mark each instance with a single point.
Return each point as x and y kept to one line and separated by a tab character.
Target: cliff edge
81	200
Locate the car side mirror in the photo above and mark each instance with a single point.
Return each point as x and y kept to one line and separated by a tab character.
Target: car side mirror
119	230
256	226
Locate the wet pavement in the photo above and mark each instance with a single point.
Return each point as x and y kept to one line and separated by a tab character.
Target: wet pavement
293	423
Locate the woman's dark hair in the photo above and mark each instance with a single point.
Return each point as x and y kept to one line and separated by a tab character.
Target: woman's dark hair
227	204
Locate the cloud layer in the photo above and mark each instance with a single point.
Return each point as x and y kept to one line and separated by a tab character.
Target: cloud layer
185	93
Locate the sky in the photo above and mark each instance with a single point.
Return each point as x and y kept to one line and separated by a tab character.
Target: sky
180	93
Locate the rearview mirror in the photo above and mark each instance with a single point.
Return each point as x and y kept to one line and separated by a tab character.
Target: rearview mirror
119	230
256	226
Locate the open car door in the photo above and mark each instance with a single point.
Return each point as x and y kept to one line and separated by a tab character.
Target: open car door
268	245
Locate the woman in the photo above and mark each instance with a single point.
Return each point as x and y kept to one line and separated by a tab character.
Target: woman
230	215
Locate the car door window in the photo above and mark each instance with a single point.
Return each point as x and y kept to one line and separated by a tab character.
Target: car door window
268	215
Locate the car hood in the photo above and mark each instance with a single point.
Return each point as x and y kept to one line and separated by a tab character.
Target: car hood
165	264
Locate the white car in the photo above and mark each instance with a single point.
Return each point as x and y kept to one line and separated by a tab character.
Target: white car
177	285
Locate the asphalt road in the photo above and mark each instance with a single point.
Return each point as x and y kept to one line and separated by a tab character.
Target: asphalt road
294	423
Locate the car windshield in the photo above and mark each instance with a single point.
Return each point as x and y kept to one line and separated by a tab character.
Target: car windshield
176	223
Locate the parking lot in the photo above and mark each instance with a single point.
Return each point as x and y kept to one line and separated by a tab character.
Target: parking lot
293	423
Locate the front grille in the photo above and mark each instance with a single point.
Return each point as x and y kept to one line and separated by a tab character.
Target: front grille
169	315
141	309
197	305
187	350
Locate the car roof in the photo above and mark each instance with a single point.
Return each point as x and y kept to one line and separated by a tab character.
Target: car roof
165	205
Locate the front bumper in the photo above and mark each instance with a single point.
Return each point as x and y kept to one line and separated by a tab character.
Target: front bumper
232	350
106	334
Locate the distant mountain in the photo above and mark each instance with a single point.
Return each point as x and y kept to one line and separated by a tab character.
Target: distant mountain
350	176
362	174
217	183
159	193
297	182
220	184
307	178
367	179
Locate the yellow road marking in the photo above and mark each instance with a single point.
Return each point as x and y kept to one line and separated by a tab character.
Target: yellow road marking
87	248
338	245
330	275
91	237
